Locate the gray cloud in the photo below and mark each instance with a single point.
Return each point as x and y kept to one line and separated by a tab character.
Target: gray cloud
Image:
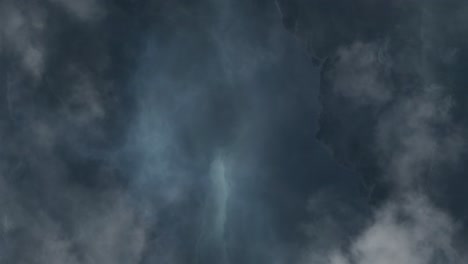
409	230
86	10
417	135
360	73
389	113
23	30
177	132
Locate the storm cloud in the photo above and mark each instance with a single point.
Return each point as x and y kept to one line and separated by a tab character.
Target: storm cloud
232	132
391	113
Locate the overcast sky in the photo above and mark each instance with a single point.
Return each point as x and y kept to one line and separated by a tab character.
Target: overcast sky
233	131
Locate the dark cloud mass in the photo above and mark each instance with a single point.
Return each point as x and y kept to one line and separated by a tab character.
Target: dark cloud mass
222	131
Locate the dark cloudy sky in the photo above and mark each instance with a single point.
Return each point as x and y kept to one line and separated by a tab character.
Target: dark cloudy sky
233	132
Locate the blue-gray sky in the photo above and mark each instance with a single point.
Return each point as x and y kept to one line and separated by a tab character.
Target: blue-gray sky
223	131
